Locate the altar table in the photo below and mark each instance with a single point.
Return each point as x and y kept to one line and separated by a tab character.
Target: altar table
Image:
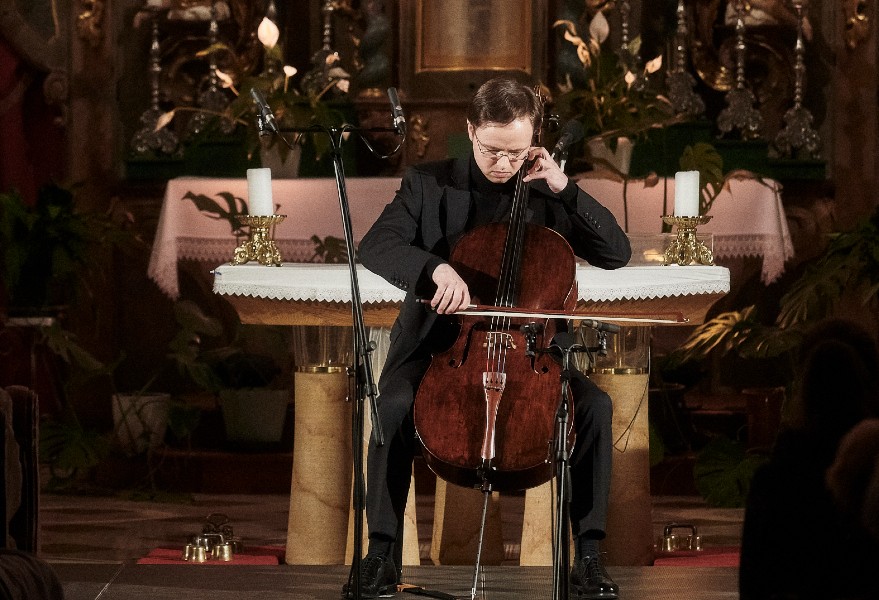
748	219
318	294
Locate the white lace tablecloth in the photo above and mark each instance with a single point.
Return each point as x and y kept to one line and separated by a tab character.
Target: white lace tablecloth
331	283
748	219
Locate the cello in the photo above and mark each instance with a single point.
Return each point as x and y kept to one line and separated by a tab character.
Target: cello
495	428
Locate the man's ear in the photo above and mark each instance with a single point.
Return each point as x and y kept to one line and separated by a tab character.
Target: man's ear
470	130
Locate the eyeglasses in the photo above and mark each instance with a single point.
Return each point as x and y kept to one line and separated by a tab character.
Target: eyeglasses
511	155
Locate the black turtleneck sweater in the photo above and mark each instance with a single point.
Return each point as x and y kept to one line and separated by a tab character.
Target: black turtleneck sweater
492	202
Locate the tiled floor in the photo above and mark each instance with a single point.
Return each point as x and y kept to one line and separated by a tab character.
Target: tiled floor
93	542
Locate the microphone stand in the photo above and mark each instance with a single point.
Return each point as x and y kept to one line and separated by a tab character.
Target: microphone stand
361	371
562	344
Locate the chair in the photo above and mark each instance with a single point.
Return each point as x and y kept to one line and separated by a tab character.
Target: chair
19	440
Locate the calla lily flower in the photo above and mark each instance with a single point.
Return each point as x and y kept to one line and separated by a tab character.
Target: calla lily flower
268	33
225	78
654	65
288	73
164	119
599	28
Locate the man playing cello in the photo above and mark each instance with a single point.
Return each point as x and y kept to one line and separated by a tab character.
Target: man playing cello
409	245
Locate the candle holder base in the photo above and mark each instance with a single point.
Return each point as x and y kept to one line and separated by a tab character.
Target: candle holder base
686	249
259	245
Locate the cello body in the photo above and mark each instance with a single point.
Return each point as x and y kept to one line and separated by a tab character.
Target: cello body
472	433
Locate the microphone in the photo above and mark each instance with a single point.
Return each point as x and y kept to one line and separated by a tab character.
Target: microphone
572	132
531	328
265	120
600	325
530	331
397	111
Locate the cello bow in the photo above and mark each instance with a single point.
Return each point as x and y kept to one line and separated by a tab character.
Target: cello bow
486	310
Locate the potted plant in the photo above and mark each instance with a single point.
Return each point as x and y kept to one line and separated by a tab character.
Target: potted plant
49	251
319	98
844	278
614	100
53	255
253	396
846	275
141	417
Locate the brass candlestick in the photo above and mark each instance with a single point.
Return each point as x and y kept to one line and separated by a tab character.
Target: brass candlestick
685	249
259	244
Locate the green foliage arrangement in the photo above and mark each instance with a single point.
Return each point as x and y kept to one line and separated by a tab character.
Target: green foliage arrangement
849	267
316	100
723	472
72	449
611	99
49	251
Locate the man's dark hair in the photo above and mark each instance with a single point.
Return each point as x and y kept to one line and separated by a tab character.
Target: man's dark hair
501	100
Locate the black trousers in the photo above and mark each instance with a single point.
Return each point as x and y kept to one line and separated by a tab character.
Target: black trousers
389	467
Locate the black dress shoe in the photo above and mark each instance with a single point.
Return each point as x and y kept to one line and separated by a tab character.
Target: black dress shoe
378	578
589	580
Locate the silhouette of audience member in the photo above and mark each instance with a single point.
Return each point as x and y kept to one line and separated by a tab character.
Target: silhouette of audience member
853	478
796	543
23	576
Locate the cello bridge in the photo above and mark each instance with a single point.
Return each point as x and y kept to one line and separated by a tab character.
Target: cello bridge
499	339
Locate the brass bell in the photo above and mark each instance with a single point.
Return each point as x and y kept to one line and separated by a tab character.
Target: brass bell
669	542
222	552
196	554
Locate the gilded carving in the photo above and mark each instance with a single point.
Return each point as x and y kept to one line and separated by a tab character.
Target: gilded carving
857	24
89	23
419	135
56	89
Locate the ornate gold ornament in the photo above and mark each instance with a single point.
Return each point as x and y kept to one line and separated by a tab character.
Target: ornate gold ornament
418	135
259	245
686	248
90	22
857	23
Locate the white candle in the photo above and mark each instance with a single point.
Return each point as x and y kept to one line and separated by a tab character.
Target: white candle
687	194
259	192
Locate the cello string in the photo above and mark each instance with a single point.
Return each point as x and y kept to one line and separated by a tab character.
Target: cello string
505	295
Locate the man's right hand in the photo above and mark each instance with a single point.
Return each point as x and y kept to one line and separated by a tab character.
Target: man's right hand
452	293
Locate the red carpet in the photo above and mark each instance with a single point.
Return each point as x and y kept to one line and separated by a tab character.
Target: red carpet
254	555
721	556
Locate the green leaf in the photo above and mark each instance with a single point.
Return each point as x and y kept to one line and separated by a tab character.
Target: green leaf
69	447
183	418
724	332
656	446
723	472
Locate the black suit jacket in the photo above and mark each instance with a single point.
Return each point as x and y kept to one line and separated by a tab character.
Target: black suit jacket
417	230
